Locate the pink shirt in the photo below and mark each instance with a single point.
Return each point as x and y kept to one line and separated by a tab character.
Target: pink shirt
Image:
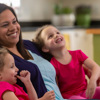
71	77
19	92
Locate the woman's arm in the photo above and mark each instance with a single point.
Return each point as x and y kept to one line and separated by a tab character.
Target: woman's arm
9	95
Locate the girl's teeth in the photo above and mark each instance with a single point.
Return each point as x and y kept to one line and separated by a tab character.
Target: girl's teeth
58	40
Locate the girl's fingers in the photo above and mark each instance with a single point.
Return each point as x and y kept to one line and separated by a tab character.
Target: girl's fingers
18	77
23	73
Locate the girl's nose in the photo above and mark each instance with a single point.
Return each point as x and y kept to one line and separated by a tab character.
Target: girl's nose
56	35
17	69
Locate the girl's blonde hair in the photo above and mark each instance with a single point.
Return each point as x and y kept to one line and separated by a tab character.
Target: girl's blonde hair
37	37
40	42
3	53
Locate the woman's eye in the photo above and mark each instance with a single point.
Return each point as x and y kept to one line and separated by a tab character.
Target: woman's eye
5	25
14	22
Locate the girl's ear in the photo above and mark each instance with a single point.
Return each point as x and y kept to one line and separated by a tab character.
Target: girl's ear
44	49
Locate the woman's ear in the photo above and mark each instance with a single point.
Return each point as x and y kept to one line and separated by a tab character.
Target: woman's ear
44	49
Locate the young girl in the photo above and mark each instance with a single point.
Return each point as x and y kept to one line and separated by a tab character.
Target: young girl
9	90
68	65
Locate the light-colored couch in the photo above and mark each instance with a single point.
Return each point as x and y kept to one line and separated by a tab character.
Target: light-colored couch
28	35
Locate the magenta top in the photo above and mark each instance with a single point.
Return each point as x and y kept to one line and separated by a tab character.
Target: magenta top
19	92
71	77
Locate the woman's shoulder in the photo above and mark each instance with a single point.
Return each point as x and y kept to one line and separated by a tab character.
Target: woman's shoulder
31	46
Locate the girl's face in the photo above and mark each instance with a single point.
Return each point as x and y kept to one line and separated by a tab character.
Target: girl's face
9	29
53	40
9	71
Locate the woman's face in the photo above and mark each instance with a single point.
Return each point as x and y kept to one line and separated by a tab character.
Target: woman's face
9	29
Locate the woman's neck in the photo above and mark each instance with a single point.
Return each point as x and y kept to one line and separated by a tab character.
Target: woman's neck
15	51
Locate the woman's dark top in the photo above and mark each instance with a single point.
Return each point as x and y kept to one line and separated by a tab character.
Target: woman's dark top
36	77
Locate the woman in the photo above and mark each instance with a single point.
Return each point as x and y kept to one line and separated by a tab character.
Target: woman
25	57
10	37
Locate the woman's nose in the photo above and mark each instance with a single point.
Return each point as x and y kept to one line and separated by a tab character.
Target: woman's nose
12	27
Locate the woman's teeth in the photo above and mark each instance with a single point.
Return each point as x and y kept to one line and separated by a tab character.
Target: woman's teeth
13	34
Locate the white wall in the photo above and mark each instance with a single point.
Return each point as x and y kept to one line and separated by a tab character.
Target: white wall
35	10
42	10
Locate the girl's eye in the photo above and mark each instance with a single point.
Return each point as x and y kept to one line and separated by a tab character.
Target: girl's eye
50	36
58	32
12	66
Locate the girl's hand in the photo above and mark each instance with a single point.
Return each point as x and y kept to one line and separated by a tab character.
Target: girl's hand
91	89
50	95
24	76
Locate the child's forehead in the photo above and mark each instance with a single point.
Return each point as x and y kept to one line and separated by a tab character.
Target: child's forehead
9	57
50	29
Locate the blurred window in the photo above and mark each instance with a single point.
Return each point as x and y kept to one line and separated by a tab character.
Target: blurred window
13	3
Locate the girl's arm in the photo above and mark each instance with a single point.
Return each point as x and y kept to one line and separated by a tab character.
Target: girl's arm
9	95
31	91
87	71
95	75
25	78
93	67
50	95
